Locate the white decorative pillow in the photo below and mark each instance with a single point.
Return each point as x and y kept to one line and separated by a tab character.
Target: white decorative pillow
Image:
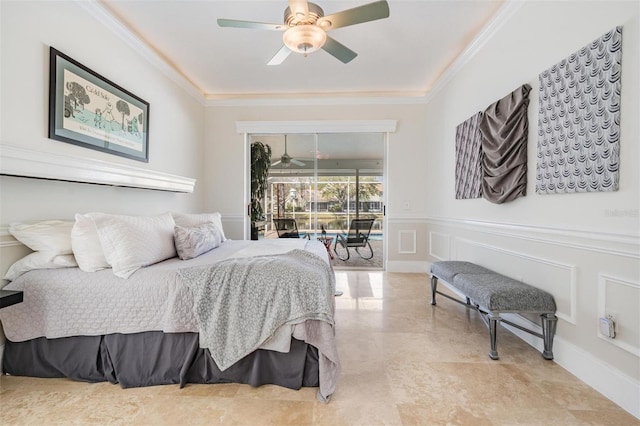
51	236
192	242
39	260
86	244
131	242
190	220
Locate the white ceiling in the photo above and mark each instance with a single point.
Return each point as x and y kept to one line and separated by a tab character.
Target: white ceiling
402	55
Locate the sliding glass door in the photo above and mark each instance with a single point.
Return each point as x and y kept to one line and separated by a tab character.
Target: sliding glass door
325	181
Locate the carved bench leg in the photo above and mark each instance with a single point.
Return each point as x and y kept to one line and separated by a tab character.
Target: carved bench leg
494	321
434	285
549	322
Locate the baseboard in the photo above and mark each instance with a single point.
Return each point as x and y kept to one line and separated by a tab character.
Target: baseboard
621	389
417	266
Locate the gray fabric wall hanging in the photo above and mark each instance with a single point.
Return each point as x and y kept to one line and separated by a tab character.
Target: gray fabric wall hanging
579	120
468	152
504	127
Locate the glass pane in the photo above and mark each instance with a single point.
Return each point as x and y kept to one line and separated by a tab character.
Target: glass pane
324	182
350	186
291	182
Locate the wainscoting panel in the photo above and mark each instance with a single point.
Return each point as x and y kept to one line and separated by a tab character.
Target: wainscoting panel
439	245
556	278
592	274
407	241
619	298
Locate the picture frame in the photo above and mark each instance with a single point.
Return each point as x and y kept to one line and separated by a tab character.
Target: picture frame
88	110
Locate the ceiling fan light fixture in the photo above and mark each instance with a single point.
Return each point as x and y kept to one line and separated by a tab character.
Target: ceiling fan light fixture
304	38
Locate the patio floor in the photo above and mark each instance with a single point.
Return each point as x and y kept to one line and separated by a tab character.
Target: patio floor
355	261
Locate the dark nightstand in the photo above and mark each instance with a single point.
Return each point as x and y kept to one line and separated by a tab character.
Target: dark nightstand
9	297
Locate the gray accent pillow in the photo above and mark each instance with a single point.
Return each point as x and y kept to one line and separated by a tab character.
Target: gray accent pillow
193	241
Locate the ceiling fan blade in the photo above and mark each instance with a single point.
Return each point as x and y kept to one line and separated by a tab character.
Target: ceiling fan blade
299	8
297	163
357	15
279	57
249	24
339	50
276	163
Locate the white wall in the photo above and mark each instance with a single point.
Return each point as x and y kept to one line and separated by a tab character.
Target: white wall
583	248
176	131
406	159
28	29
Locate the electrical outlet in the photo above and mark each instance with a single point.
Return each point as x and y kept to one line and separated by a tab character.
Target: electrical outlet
608	327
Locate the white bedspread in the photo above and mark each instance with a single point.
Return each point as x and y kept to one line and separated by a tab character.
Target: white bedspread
68	302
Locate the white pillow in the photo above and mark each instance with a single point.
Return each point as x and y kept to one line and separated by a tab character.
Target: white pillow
192	242
39	260
51	236
131	242
86	244
190	220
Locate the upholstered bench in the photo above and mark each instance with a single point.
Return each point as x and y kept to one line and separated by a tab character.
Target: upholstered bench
493	294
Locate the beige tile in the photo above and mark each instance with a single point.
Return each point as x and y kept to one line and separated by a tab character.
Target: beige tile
404	362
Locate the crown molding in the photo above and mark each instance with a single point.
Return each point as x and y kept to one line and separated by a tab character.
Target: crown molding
106	17
26	162
113	23
311	99
317	126
506	11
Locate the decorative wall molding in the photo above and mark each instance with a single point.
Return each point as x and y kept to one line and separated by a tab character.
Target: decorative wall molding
311	99
405	218
542	265
233	218
439	245
601	242
6	239
506	11
317	126
407	241
26	162
104	16
631	324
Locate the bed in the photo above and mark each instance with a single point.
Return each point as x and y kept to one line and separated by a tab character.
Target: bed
149	328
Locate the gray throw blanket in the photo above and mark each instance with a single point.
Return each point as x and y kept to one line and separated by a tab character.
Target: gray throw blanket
239	303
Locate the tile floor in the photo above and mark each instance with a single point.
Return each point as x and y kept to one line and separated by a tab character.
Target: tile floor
403	362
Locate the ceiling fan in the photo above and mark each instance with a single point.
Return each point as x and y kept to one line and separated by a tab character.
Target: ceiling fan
286	160
305	28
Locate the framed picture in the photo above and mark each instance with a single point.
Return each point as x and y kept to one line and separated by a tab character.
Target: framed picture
88	110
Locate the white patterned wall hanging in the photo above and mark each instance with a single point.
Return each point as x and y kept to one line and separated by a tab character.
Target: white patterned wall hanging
579	120
468	152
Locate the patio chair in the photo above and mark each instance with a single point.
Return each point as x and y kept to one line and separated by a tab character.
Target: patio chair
357	237
287	228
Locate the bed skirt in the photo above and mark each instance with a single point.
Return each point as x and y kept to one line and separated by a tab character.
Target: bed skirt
156	358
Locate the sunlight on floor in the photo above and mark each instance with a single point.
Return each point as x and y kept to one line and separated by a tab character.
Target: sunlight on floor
362	290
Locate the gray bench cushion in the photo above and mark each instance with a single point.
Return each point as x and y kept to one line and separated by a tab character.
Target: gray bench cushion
446	270
498	293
